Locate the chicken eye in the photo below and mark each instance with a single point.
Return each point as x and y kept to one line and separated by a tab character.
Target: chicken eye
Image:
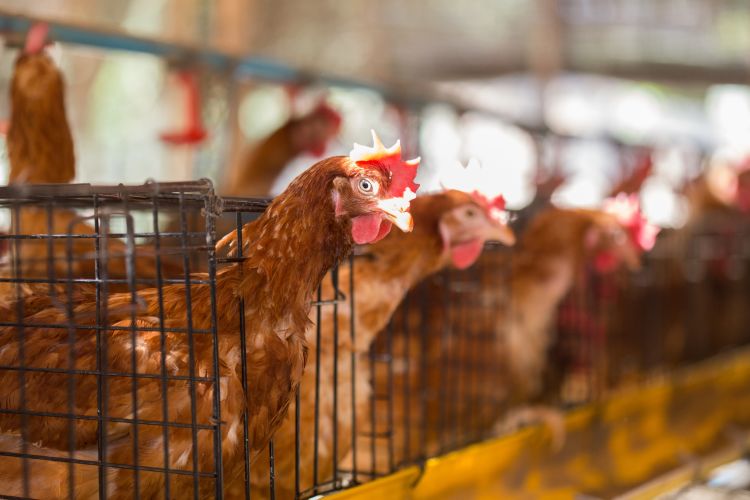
367	186
470	212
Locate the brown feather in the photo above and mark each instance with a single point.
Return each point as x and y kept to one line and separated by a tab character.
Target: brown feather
259	168
494	353
381	278
40	145
40	149
291	247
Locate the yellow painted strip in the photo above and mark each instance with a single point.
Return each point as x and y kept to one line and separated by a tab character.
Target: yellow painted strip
635	434
396	486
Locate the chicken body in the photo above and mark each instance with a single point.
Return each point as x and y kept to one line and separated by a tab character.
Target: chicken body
488	335
290	248
382	277
41	151
40	145
260	167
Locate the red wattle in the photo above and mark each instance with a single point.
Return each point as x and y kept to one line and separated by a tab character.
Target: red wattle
366	228
385	228
465	254
606	262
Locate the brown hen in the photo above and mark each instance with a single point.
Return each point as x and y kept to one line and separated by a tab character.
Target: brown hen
449	228
40	145
40	149
260	167
490	349
304	231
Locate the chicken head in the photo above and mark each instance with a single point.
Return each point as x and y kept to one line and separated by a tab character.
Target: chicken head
376	191
465	228
312	132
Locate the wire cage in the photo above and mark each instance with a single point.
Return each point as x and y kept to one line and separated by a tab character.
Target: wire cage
76	258
85	272
87	291
443	372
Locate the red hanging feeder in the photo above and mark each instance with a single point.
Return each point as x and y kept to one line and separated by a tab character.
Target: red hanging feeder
193	132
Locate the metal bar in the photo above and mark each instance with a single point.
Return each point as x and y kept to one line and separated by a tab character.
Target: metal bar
250	66
407	381
101	391
21	336
94	281
316	418
271	471
352	338
191	350
391	435
130	273
162	343
191	190
120	420
444	362
71	350
297	443
113	465
71	236
335	283
107	374
105	329
459	341
423	362
243	360
13	22
373	414
211	238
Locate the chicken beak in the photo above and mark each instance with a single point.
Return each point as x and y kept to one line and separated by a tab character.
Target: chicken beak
502	234
396	211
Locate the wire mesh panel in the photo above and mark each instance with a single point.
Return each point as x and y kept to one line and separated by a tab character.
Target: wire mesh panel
434	369
118	321
86	332
118	299
687	303
109	341
301	459
464	358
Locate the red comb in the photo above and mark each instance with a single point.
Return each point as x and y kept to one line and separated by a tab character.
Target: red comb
495	207
402	173
627	210
475	180
36	38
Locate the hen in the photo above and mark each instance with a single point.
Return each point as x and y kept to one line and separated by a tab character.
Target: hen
256	173
39	142
450	228
306	230
695	302
453	383
40	149
550	262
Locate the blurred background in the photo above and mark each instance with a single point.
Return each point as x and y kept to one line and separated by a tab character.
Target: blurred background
568	101
579	86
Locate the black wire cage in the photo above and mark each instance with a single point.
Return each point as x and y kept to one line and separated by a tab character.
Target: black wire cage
80	266
87	269
77	258
443	371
